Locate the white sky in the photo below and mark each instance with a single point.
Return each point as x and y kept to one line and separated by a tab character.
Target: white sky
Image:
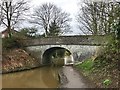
69	6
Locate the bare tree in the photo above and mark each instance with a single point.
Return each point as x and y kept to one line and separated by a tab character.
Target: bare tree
98	17
11	12
47	13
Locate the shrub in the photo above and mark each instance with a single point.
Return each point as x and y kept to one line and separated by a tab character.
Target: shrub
109	55
12	42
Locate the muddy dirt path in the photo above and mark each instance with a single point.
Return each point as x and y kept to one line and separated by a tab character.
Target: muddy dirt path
75	80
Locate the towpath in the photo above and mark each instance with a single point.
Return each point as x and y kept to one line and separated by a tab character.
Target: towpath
74	79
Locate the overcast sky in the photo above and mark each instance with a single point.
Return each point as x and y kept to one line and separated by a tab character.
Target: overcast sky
69	6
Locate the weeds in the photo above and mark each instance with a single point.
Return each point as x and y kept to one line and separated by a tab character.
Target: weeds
107	82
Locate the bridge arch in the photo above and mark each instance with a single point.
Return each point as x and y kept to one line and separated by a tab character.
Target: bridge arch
78	52
53	54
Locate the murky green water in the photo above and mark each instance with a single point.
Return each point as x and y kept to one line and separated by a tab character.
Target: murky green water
44	77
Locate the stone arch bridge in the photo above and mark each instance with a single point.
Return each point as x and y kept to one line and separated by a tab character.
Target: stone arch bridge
76	45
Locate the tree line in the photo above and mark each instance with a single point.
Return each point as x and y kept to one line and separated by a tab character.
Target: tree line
97	18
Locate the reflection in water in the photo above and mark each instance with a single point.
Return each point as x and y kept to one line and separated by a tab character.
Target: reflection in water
44	77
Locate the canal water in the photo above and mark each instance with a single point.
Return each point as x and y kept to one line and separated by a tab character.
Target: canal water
43	77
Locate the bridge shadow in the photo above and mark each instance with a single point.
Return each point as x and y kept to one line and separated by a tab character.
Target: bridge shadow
56	56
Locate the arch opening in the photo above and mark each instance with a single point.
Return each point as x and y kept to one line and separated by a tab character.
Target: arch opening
57	56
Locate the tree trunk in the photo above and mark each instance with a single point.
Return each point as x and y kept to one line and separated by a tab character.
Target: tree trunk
8	20
46	32
9	31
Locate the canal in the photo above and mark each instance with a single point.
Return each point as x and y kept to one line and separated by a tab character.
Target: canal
43	77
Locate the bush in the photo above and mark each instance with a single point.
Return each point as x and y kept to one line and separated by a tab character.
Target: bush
12	42
109	55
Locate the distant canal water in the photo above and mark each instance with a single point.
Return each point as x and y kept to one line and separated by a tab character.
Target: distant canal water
43	77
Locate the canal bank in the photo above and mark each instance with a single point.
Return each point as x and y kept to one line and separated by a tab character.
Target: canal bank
103	76
17	59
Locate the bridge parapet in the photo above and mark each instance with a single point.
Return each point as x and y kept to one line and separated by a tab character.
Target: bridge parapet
96	40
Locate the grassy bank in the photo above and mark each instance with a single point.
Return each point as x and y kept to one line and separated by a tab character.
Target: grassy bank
103	75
